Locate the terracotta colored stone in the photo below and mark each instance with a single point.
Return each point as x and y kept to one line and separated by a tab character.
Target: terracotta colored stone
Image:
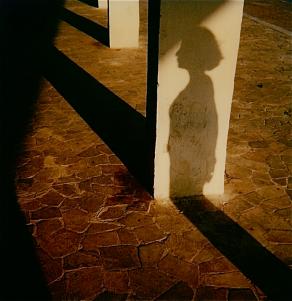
206	253
52	198
58	290
283	251
104	149
32	205
116	281
184	246
109	190
52	268
120	257
149	283
85	283
180	291
113	168
114	159
227	279
151	254
47	228
81	259
60	243
259	217
127	237
258	144
135	219
70	204
97	160
90	152
112	212
119	200
271	192
180	269
102	227
103	180
217	265
92	203
279	173
46	213
149	234
139	206
92	242
76	220
67	190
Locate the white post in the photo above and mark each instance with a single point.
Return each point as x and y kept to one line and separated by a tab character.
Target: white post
103	4
124	23
198	46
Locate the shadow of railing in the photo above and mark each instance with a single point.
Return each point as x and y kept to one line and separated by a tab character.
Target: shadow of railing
266	271
120	126
93	29
93	3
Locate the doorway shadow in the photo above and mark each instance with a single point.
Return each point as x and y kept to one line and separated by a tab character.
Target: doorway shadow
120	126
193	116
265	270
92	29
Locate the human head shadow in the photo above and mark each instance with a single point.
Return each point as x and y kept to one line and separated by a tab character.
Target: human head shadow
264	269
193	116
27	29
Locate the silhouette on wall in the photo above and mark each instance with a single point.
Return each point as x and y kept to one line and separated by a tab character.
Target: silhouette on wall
193	117
26	31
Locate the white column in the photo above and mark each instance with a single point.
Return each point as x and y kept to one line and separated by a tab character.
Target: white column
198	46
103	4
124	23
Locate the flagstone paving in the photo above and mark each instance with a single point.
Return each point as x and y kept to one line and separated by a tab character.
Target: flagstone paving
100	236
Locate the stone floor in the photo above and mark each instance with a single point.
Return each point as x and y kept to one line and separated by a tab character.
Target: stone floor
100	236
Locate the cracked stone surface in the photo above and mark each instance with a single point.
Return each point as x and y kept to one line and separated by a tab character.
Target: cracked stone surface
100	236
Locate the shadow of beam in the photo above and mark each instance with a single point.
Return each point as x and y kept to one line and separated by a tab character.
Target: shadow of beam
266	271
121	127
87	26
93	3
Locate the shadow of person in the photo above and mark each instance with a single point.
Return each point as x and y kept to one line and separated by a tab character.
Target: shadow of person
193	116
27	29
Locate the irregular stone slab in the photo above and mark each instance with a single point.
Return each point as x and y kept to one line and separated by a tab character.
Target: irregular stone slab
76	220
116	281
120	257
81	259
151	254
92	242
180	269
52	268
149	283
85	283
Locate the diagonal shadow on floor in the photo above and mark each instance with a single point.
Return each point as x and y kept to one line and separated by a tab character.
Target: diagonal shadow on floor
93	29
121	127
93	3
266	271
